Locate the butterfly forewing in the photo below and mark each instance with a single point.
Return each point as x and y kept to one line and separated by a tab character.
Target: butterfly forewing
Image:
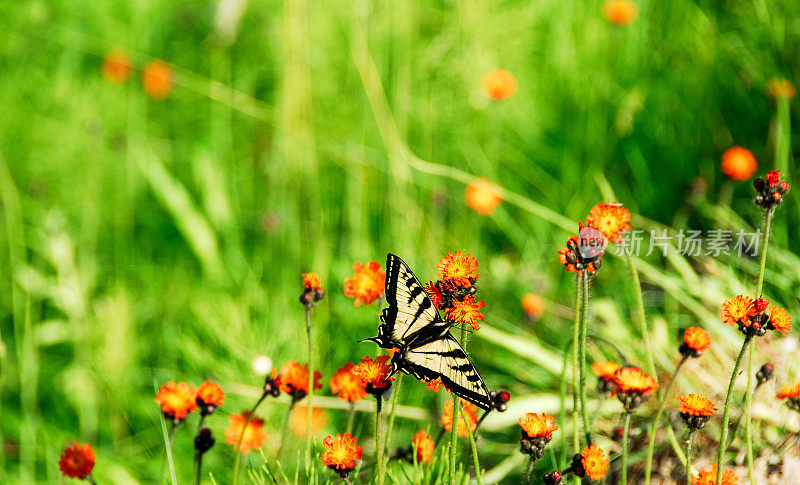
410	309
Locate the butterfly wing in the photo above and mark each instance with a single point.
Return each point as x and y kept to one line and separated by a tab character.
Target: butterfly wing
411	313
443	357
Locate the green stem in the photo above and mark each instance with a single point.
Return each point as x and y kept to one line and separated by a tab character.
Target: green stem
475	459
351	412
285	428
390	425
625	430
238	460
657	420
454	430
562	396
689	444
587	424
576	440
723	438
310	385
378	445
637	288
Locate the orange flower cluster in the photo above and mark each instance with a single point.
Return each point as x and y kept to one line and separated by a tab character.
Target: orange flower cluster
341	453
471	413
709	477
483	196
312	290
696	410
458	268
250	430
423	446
77	461
751	317
375	374
293	379
176	400
605	372
367	284
311	281
467	311
695	342
633	387
347	385
538	425
454	292
606	222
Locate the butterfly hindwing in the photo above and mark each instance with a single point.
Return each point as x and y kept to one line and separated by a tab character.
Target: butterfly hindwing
444	358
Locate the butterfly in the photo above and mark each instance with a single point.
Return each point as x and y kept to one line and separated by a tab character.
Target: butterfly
422	340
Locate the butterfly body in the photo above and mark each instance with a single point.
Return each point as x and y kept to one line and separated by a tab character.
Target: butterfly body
421	339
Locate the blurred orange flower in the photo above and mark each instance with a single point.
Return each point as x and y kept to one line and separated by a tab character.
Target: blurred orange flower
347	385
435	384
210	395
620	12
458	268
737	310
500	84
312	281
605	370
176	400
789	392
117	67
779	319
77	461
633	380
293	378
483	196
298	421
157	79
466	312
696	339
533	305
367	285
694	405
254	434
434	294
470	411
709	477
423	446
780	88
739	163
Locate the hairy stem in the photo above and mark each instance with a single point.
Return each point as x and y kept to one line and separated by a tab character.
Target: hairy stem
587	424
625	430
390	425
689	443
726	413
576	440
310	385
378	444
351	412
657	419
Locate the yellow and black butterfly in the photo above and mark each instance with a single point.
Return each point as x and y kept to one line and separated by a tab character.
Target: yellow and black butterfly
426	349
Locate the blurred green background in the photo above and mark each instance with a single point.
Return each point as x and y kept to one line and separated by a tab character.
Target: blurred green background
148	240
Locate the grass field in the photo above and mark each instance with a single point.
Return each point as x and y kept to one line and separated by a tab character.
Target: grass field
152	240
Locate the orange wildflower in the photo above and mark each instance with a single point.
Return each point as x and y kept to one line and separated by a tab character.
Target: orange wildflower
347	385
470	411
538	425
423	446
739	163
341	453
375	373
779	319
611	219
499	84
434	294
254	434
695	405
435	384
632	379
605	372
483	196
293	379
298	420
312	281
77	461
533	305
157	79
176	400
466	312
620	12
209	396
458	268
595	462
695	342
367	285
737	311
117	67
789	392
709	477
780	88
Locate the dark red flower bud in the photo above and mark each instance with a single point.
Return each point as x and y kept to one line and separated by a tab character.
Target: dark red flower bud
760	304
